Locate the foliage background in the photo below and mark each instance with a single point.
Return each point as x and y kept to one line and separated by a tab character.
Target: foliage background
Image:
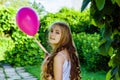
105	14
26	52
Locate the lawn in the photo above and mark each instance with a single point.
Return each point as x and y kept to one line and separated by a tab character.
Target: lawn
100	75
35	71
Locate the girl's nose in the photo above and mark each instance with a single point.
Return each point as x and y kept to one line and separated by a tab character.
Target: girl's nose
52	34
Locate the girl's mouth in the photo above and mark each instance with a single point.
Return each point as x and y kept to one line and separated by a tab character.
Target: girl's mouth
52	38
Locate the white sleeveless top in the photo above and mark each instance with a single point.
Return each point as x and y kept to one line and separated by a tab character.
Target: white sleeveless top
66	69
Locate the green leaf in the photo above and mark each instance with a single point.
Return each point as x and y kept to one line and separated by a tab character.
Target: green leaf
118	75
107	31
114	72
102	48
102	41
113	1
118	2
110	63
84	4
108	75
93	22
100	4
116	58
107	45
110	52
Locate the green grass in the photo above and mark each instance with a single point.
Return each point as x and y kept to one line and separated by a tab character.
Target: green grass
35	71
100	75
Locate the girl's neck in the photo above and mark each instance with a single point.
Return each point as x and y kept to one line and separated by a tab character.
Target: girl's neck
53	46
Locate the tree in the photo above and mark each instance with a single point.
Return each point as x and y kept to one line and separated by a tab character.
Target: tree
106	15
2	2
39	8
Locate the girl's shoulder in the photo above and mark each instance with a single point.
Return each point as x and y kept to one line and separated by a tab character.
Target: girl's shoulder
64	54
59	57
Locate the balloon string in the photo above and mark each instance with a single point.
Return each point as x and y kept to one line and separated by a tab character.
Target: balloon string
46	52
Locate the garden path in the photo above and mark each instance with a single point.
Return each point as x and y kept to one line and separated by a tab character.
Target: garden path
7	72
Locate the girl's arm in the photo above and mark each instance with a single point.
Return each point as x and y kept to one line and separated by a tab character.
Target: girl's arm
57	67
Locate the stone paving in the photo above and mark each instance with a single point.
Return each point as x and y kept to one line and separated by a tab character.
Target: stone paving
7	72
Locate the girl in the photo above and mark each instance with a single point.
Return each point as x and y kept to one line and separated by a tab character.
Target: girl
63	63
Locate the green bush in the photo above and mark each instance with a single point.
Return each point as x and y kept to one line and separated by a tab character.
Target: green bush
6	26
78	22
6	43
21	56
24	51
87	47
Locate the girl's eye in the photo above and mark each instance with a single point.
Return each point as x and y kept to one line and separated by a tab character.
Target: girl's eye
51	30
57	33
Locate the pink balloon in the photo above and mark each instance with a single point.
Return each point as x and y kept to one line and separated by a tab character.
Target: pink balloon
27	21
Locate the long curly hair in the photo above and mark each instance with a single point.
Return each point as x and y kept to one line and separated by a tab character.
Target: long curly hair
65	42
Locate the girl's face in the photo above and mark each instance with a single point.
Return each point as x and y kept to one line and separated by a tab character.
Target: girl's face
55	35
